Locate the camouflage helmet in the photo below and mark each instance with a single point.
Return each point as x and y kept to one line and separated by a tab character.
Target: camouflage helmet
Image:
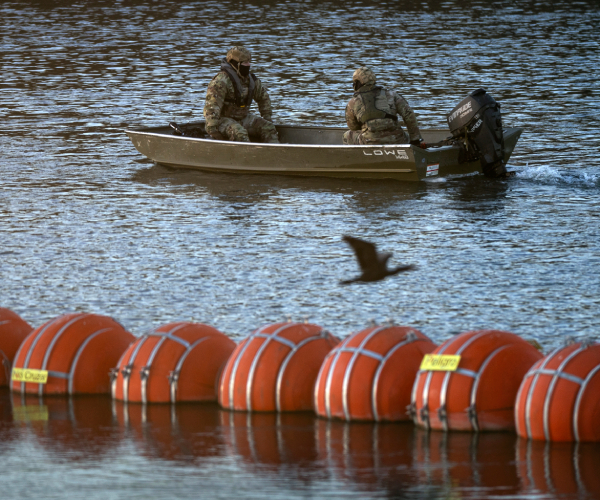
239	54
364	75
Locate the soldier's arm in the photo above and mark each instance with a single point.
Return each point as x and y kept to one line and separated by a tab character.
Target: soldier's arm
215	97
351	120
408	115
261	96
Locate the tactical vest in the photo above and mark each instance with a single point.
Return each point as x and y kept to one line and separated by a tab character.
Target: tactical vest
370	110
238	87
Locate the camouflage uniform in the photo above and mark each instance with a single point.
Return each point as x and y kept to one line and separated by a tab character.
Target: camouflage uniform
372	115
231	117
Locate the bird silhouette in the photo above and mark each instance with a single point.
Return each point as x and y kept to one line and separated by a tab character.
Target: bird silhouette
373	264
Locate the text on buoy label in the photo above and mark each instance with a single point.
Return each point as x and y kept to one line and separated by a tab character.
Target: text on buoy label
29	375
440	362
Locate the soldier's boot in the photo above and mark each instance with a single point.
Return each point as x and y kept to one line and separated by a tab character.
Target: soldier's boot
261	129
351	137
268	133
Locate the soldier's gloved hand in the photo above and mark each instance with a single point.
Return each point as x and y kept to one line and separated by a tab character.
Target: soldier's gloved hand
218	136
419	142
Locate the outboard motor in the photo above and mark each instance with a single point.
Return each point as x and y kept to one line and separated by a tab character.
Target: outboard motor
477	122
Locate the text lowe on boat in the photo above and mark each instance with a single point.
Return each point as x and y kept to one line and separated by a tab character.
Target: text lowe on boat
476	141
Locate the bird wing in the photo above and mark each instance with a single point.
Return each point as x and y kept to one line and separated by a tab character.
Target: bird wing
366	252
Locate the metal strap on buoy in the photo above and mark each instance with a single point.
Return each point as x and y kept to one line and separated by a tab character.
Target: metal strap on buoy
269	337
356	351
410	337
174	375
77	356
328	381
322	334
444	392
536	374
49	350
127	370
558	373
163	337
245	343
582	390
472	410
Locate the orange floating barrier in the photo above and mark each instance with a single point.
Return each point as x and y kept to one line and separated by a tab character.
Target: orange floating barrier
71	354
559	398
175	362
370	374
470	382
13	330
275	368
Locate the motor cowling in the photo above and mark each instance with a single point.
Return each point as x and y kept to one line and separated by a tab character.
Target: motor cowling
477	122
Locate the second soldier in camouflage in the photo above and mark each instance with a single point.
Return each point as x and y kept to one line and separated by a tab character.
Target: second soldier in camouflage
372	114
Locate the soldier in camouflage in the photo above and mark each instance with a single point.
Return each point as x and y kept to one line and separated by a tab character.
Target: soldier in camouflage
372	114
228	100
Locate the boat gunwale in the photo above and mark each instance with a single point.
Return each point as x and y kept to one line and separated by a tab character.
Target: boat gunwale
147	131
270	144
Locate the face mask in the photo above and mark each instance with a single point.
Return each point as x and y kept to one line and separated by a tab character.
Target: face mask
244	70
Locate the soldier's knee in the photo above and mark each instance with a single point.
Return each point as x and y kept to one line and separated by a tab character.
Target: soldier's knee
235	132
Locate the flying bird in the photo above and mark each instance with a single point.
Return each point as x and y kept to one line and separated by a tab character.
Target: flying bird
373	264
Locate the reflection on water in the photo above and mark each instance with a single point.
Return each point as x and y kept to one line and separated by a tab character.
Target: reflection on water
400	459
80	429
244	191
559	468
186	432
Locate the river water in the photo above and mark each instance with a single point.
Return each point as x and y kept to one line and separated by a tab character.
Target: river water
88	224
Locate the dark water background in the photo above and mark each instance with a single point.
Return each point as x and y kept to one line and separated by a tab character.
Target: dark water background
87	224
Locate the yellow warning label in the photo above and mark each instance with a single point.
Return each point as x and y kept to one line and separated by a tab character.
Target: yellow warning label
30	413
29	375
440	362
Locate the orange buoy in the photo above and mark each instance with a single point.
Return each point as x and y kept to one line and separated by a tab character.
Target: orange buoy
13	330
370	374
275	368
480	391
559	397
175	362
70	354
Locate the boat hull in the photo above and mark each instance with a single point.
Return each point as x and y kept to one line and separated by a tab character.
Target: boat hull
309	151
